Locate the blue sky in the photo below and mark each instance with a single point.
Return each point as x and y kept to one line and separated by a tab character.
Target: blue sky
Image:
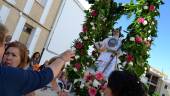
160	53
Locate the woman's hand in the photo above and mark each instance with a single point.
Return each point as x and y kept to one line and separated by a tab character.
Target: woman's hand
58	64
67	55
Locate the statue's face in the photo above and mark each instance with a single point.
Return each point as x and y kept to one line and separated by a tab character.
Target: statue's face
116	33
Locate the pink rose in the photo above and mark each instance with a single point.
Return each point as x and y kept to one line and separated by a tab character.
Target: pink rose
151	7
78	66
129	58
140	20
94	13
99	76
92	91
138	39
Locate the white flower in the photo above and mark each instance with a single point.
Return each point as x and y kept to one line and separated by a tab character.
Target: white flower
91	23
131	63
132	38
88	63
77	57
73	49
104	19
145	22
67	64
145	39
146	68
153	22
118	61
149	38
96	83
147	52
149	31
76	80
84	70
93	28
145	7
75	69
82	86
85	37
145	72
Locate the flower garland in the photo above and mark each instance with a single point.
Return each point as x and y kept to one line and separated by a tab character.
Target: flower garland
100	20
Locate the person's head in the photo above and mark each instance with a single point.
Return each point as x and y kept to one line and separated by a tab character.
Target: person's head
15	55
123	83
3	33
36	55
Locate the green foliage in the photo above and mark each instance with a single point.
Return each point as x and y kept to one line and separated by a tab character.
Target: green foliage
101	18
155	94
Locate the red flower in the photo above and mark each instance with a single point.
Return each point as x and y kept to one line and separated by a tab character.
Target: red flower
151	7
129	58
88	77
85	29
138	39
78	45
92	91
94	13
78	66
140	20
99	76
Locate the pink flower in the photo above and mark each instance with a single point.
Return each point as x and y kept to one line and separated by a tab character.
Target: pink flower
85	29
92	91
138	39
78	45
151	7
78	66
94	13
129	58
141	20
99	76
88	77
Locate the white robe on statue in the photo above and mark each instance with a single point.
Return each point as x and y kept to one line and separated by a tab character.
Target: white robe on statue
111	46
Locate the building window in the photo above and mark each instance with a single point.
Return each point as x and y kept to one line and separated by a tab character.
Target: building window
42	2
25	35
155	79
4	12
166	87
163	94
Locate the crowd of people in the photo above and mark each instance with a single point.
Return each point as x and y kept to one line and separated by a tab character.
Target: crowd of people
21	75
